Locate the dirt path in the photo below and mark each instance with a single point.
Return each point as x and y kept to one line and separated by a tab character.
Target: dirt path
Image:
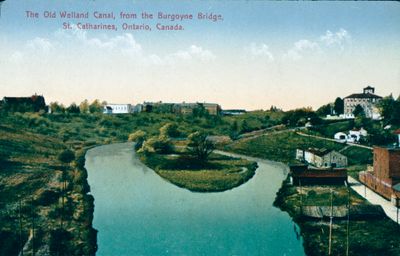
323	138
390	210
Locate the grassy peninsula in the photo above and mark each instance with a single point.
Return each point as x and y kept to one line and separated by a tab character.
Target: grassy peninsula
219	173
189	162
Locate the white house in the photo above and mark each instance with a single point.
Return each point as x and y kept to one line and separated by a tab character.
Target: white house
117	109
322	157
353	136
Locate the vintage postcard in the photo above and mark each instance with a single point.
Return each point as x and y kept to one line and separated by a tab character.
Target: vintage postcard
199	127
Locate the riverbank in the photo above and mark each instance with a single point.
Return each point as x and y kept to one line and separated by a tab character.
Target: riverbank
373	235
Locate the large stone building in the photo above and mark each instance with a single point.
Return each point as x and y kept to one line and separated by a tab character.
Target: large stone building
384	176
182	108
322	157
367	100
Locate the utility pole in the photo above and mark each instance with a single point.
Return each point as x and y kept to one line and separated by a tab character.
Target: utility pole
330	226
397	209
348	220
20	227
33	228
301	198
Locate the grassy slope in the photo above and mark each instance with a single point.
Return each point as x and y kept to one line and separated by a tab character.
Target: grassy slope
281	146
29	146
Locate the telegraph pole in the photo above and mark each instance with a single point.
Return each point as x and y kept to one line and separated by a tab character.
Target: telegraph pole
20	227
33	228
348	220
301	198
330	226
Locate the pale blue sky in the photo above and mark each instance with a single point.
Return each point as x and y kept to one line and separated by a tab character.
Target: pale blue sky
289	54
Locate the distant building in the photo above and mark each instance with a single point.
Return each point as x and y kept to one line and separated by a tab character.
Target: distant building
233	112
353	136
185	108
181	108
341	137
384	176
302	174
212	108
158	107
367	100
34	103
137	108
321	157
117	109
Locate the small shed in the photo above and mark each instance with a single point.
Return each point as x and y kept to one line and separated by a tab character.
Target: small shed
340	136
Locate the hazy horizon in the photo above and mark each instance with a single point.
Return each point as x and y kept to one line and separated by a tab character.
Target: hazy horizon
286	54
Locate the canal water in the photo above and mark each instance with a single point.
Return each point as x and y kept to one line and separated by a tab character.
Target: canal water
139	213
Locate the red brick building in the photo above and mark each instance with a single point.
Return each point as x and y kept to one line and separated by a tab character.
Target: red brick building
385	173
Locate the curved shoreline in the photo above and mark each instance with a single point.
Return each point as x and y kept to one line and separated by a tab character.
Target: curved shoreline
217	175
118	165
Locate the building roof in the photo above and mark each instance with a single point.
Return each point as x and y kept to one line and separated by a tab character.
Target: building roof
397	131
396	187
319	151
363	96
369	87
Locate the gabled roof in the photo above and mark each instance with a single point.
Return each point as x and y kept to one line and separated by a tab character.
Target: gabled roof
319	151
363	96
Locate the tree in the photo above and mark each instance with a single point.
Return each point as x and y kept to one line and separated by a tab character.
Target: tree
244	127
358	111
84	107
169	130
324	110
73	109
390	109
56	107
157	144
66	156
200	146
297	117
200	111
96	106
338	106
139	136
